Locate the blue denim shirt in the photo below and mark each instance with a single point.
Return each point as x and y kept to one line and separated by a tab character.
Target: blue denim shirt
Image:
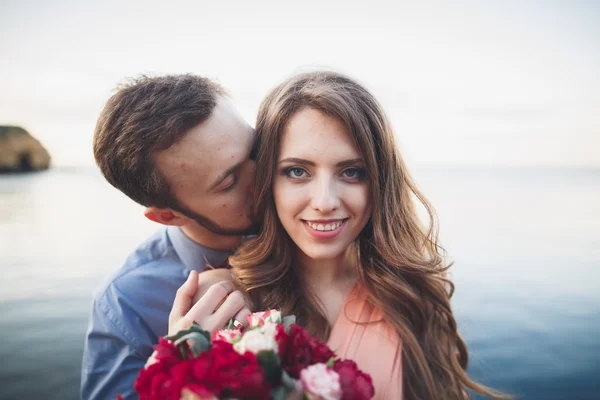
131	310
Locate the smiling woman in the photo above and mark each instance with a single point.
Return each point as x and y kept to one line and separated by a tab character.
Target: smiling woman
320	192
342	247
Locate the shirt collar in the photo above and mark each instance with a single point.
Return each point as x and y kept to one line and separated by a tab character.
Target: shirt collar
194	255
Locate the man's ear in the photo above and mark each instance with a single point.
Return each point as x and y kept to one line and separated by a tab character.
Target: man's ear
165	216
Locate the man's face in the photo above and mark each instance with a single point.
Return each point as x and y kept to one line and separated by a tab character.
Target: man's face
211	173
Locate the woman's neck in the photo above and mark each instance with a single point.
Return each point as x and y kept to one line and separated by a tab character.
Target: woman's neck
324	272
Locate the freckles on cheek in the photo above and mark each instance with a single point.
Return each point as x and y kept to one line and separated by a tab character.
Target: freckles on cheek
182	166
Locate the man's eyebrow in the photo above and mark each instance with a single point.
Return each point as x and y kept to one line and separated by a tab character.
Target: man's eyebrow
224	176
344	163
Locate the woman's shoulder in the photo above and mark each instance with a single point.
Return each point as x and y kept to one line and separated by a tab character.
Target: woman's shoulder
361	332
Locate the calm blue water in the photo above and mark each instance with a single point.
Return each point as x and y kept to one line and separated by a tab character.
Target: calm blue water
525	242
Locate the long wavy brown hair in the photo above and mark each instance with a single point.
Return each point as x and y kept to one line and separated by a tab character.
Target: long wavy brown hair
400	264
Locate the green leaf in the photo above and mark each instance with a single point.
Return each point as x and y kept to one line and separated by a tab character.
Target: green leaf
278	393
270	362
190	336
288	382
330	362
288	320
183	350
199	342
194	328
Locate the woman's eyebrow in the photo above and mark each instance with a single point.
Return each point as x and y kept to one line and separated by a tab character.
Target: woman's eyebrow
344	163
353	161
297	161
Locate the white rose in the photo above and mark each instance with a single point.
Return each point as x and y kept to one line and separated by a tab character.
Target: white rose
269	329
255	341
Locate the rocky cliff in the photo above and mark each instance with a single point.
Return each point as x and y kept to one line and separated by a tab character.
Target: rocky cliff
21	152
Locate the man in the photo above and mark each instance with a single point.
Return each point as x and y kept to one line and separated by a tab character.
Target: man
178	146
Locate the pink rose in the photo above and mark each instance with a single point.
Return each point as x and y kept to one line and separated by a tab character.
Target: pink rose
259	318
227	335
321	382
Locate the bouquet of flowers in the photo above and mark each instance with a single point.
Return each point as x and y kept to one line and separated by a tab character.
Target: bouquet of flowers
273	359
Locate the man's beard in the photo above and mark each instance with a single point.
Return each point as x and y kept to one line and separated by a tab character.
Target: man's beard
213	226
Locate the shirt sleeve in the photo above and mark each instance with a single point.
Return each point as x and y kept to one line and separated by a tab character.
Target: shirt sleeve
113	355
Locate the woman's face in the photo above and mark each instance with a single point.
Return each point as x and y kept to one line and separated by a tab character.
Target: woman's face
320	188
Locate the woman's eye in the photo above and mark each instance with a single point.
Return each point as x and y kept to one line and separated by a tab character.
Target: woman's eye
354	173
296	172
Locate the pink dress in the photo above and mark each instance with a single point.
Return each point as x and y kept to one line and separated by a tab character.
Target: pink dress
375	347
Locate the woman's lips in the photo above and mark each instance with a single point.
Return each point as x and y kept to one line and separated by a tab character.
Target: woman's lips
325	229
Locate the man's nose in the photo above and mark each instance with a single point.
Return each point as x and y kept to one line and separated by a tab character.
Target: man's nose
325	197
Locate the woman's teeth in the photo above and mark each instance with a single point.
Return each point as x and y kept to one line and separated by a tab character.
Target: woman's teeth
332	226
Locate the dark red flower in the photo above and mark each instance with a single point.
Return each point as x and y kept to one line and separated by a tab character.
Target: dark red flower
220	371
157	381
298	350
356	385
202	391
161	381
167	352
229	374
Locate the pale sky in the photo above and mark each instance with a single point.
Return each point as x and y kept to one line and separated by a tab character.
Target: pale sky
506	83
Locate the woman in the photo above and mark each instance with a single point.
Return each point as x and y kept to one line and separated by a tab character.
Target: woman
341	246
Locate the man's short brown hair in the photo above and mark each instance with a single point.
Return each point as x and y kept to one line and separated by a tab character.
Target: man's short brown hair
146	115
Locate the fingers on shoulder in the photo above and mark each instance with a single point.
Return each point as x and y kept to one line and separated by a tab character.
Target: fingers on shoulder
189	286
212	276
236	299
220	290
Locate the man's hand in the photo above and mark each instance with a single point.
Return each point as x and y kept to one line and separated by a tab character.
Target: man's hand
209	300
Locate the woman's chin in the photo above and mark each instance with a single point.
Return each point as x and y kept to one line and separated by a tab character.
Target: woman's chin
318	253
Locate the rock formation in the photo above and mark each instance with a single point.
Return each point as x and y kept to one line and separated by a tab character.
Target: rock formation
21	152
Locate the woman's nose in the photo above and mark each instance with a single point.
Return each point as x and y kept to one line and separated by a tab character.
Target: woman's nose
325	196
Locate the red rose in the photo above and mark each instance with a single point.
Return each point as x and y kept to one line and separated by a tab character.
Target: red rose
166	352
156	381
321	353
230	374
356	385
163	380
298	350
220	371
